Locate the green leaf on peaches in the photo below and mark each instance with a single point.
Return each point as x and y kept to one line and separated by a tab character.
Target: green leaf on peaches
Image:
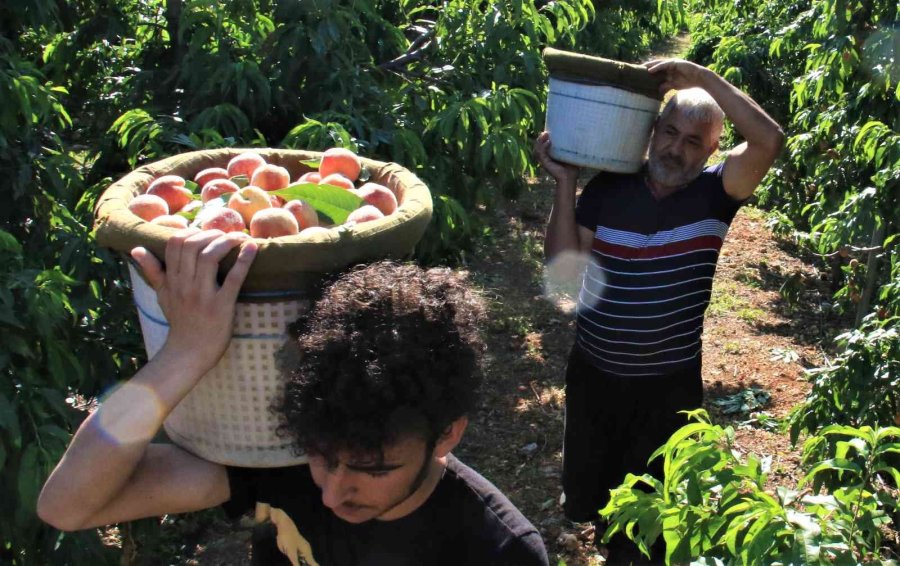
334	202
240	180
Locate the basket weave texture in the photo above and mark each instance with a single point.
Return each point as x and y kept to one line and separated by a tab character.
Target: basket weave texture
600	113
227	418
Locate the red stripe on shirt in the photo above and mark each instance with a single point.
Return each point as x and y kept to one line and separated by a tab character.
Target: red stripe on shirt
684	246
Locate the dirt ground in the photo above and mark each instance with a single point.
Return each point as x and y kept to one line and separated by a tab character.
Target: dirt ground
768	320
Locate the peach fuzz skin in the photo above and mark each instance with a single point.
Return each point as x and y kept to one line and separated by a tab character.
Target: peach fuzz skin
310	177
248	201
340	160
365	213
270	177
245	164
224	219
171	189
272	223
313	230
378	196
337	180
304	213
210	174
217	188
148	207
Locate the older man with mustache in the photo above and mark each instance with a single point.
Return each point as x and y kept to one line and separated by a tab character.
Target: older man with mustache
652	240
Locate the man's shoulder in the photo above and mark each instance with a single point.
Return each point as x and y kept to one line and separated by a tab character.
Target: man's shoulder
489	512
611	179
710	177
281	487
475	489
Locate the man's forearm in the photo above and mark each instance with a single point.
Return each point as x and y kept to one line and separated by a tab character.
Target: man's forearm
111	442
562	230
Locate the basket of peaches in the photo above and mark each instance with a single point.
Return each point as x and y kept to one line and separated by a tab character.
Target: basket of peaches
311	214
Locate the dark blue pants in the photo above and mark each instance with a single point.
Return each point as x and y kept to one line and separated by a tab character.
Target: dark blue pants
613	424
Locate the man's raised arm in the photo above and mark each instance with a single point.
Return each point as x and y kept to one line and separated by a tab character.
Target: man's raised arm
563	233
111	472
747	163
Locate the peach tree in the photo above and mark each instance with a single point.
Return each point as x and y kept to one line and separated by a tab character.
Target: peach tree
92	89
714	506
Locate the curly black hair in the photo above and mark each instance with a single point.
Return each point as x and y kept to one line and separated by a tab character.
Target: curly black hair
388	350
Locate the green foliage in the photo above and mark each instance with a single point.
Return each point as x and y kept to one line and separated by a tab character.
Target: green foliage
635	26
44	311
713	505
451	90
59	296
859	387
826	70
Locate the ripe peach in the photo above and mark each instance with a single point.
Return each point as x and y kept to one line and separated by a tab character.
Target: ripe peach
313	230
171	220
189	207
245	164
172	190
337	180
340	160
148	207
210	174
270	177
304	213
248	201
310	177
365	213
217	188
224	219
273	222
378	196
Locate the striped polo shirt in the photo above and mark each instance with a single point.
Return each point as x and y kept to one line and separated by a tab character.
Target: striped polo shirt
646	289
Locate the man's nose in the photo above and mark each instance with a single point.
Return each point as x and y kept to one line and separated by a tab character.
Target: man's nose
337	487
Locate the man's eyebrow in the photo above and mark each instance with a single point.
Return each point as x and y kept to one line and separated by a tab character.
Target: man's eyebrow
374	467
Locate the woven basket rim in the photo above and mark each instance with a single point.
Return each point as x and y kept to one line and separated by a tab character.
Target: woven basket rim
589	69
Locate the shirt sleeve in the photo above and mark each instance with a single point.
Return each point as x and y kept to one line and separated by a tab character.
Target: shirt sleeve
727	204
525	550
587	208
243	484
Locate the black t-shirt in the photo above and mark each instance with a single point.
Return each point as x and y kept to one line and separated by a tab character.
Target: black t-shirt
466	520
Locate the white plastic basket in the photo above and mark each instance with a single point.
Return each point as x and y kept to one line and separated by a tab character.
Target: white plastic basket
227	418
599	126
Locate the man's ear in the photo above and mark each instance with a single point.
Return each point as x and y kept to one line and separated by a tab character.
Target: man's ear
451	437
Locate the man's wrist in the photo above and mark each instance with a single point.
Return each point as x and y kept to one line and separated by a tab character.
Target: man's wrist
567	185
180	363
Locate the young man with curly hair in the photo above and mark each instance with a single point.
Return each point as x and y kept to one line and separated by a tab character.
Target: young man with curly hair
381	375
